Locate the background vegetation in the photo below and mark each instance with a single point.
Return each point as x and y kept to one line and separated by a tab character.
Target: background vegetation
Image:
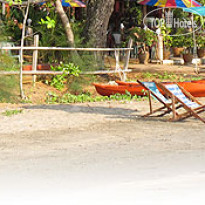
8	84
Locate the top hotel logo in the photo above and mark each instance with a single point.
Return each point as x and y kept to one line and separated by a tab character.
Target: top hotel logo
172	21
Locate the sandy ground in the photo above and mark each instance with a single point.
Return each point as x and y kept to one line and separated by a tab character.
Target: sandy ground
100	153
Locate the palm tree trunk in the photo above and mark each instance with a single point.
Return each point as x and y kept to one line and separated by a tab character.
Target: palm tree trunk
66	23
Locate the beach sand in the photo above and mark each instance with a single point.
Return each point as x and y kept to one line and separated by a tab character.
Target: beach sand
100	153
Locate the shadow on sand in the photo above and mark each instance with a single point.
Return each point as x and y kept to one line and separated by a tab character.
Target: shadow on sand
123	112
110	112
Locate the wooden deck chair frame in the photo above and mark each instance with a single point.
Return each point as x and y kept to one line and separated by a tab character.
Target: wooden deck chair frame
167	106
189	111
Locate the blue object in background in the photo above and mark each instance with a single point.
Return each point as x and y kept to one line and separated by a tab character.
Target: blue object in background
196	10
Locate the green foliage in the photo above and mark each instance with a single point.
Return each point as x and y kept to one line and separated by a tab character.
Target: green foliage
8	84
134	13
166	32
52	33
10	2
11	25
200	39
69	98
58	81
50	23
145	37
8	88
182	40
77	27
185	41
87	61
162	77
76	85
169	77
10	113
178	41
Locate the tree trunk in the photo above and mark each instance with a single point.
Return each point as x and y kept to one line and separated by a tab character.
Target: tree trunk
66	23
98	16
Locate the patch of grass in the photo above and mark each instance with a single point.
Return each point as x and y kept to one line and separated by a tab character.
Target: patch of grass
25	101
147	76
9	113
76	85
164	76
8	84
53	98
9	89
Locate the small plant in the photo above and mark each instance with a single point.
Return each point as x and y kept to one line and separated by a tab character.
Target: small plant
145	37
9	113
53	98
166	37
185	41
200	39
68	69
178	41
163	77
50	23
8	84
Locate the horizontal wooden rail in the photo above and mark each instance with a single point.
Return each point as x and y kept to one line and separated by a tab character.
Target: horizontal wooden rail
66	49
45	72
99	72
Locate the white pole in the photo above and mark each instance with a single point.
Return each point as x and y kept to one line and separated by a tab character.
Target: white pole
35	58
194	35
160	47
3	9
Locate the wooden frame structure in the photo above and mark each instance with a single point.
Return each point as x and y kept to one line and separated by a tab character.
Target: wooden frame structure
167	103
36	48
189	111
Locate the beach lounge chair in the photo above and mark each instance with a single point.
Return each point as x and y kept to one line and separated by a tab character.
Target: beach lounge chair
153	91
179	95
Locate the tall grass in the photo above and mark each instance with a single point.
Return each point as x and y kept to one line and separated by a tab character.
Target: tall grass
8	84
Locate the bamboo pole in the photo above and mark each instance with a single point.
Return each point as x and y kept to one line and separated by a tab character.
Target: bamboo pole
99	72
160	47
127	58
35	72
66	48
21	50
194	35
3	9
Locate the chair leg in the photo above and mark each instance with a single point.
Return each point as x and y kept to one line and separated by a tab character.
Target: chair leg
150	101
195	114
174	117
153	111
166	112
169	111
190	113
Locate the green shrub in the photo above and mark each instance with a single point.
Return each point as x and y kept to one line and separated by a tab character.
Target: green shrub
58	81
53	98
8	84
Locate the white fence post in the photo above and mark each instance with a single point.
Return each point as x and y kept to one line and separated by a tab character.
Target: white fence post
35	58
160	47
3	9
127	59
